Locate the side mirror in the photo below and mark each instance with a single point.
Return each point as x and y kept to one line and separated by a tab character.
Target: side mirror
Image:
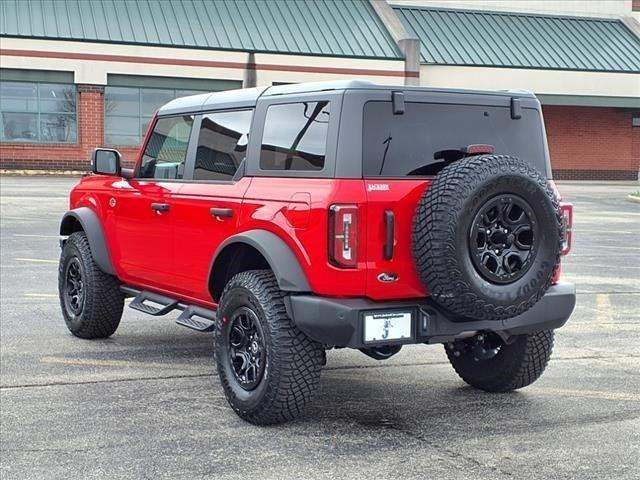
106	161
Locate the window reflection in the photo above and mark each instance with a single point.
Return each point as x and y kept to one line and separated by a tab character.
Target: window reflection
38	112
128	111
222	144
295	136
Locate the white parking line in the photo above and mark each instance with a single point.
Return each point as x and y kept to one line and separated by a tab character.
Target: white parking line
615	247
38	260
578	231
35	236
603	310
92	362
41	295
595	394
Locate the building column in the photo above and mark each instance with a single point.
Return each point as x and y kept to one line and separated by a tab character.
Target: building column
90	117
409	46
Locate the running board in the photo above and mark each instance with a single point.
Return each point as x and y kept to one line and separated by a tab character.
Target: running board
196	318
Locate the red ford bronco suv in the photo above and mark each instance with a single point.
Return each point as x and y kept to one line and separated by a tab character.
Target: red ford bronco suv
293	219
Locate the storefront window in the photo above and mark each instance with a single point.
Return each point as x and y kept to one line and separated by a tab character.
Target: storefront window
129	110
38	112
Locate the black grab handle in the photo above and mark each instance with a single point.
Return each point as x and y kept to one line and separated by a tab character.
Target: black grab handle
389	224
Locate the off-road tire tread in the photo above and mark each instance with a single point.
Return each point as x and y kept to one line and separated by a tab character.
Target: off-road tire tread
526	360
434	239
104	302
296	360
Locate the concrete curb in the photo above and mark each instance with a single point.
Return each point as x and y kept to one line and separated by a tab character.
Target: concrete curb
633	199
40	173
596	182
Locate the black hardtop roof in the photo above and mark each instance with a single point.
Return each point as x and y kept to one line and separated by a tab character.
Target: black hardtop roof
247	97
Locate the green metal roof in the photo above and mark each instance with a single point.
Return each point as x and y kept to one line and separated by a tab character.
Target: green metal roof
496	39
343	28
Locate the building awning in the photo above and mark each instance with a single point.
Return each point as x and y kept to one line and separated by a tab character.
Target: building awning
517	40
339	28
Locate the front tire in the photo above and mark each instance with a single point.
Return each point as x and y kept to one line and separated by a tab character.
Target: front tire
515	365
91	300
268	368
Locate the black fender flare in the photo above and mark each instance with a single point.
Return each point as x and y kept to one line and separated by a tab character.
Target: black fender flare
92	227
277	253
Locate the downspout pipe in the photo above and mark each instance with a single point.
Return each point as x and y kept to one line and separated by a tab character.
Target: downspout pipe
250	77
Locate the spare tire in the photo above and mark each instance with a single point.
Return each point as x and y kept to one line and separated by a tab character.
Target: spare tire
487	237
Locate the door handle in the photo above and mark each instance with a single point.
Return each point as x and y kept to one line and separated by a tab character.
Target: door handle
160	207
221	212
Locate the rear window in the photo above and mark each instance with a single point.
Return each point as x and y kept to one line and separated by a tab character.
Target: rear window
401	145
222	144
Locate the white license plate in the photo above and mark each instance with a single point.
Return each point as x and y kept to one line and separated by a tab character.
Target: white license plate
384	326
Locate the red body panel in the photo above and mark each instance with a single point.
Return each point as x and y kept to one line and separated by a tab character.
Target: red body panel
296	210
171	252
400	197
198	233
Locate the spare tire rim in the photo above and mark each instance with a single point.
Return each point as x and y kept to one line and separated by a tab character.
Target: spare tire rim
502	238
247	352
74	287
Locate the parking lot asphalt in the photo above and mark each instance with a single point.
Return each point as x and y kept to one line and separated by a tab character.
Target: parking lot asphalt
146	403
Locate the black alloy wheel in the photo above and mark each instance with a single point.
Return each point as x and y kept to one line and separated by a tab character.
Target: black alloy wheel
74	292
247	352
502	238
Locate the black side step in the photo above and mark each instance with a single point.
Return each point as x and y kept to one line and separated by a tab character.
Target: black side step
167	304
196	318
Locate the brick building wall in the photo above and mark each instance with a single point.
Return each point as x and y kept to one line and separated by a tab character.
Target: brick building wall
585	143
592	143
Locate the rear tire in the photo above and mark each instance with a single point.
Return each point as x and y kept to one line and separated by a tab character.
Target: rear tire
91	300
268	368
516	365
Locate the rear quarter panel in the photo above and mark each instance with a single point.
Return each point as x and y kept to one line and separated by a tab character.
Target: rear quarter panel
296	210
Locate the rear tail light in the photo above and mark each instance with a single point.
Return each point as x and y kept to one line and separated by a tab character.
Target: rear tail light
343	235
566	209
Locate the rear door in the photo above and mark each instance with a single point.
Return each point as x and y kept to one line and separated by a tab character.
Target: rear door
143	207
398	165
207	208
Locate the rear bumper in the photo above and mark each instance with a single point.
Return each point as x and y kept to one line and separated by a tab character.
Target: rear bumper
340	322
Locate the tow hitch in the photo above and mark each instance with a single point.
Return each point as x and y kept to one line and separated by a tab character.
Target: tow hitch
481	346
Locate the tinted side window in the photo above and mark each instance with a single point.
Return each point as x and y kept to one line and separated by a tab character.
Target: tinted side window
400	145
166	150
295	136
222	144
